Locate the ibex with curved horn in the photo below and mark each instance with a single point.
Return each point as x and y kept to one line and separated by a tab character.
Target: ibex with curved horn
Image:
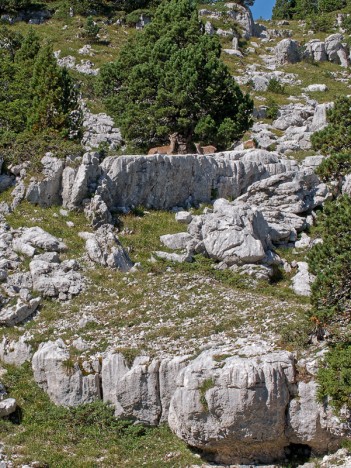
205	149
169	149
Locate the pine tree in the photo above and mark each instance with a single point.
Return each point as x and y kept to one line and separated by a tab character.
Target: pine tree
330	262
14	98
29	47
53	92
10	6
91	30
170	78
330	5
283	9
304	8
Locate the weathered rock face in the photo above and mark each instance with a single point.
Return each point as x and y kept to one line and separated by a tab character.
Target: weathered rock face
11	316
320	116
231	234
311	423
97	213
243	406
217	406
37	237
104	248
337	52
283	198
249	409
46	275
273	210
100	129
54	279
47	192
78	184
65	383
315	50
162	181
237	13
287	51
301	282
7	407
15	352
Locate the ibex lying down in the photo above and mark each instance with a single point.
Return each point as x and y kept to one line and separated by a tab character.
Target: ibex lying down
169	149
205	149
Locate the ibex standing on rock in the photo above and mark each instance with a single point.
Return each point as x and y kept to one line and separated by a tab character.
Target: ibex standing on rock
170	149
204	149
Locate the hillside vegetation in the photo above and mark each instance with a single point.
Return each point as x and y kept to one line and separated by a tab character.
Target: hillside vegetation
215	86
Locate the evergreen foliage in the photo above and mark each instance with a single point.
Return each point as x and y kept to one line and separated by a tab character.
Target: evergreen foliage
11	6
91	30
335	168
53	93
336	136
36	95
301	9
283	9
334	376
330	262
170	78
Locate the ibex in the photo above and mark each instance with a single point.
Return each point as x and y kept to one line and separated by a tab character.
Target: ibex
205	149
250	144
169	149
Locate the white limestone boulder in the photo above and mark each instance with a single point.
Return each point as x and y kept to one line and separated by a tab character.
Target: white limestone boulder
234	407
103	247
67	383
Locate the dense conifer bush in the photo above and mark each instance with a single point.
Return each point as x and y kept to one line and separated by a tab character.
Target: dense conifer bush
330	261
336	136
300	9
170	78
36	95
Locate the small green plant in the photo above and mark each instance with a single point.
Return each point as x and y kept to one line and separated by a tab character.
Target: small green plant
272	109
275	86
134	17
91	30
69	365
205	386
129	354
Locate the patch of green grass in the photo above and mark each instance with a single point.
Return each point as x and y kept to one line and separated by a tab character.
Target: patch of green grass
53	222
86	436
205	386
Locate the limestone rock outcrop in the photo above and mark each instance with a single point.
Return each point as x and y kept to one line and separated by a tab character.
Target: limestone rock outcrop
217	405
99	129
243	406
337	51
78	184
56	279
7	407
47	191
66	383
10	316
15	352
220	399
287	51
104	248
301	282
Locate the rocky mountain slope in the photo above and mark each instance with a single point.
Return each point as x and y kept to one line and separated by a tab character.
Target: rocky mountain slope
173	288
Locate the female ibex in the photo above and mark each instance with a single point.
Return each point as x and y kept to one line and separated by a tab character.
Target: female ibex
169	149
204	149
